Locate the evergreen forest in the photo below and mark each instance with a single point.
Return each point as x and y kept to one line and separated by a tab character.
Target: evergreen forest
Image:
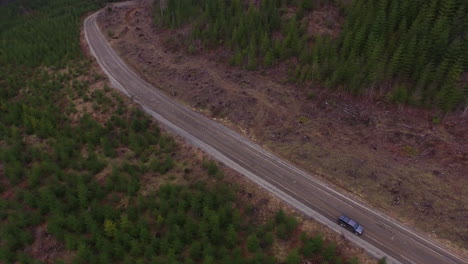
73	157
414	52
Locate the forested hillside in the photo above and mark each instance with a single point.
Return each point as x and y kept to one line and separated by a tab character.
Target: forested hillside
86	178
411	51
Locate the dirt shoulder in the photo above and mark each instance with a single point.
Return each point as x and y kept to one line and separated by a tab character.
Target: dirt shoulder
392	157
189	168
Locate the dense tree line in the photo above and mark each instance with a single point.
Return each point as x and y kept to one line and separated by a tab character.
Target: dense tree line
50	156
417	47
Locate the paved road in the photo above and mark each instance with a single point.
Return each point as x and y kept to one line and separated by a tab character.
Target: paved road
383	236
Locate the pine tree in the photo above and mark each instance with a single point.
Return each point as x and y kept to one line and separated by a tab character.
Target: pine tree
293	257
252	55
280	217
424	78
83	195
292	37
268	59
330	252
110	228
395	62
307	5
231	237
447	8
305	72
439	37
400	94
252	243
265	44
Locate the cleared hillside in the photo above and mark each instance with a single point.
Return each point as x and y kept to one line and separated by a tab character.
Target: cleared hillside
409	51
87	177
405	160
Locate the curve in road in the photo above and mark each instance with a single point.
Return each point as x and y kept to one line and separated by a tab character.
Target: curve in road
383	237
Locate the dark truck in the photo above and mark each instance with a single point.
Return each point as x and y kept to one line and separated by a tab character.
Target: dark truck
350	224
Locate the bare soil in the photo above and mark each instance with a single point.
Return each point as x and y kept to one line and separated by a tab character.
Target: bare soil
46	248
324	20
392	157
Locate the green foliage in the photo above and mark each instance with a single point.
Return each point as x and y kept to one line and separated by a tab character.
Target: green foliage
268	60
238	59
400	94
354	260
312	246
280	217
246	29
293	257
162	166
436	120
212	169
62	156
291	224
231	237
110	228
54	42
329	252
419	45
252	243
383	260
286	225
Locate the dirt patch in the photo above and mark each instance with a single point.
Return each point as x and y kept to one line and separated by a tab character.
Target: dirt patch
325	20
46	248
7	191
394	157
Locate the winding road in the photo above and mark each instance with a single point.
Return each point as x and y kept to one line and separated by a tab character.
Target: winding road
383	235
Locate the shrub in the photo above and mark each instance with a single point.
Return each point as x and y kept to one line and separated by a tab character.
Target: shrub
280	217
110	228
329	252
383	260
252	243
212	169
293	257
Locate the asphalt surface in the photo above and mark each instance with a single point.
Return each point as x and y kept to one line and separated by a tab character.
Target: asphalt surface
383	236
